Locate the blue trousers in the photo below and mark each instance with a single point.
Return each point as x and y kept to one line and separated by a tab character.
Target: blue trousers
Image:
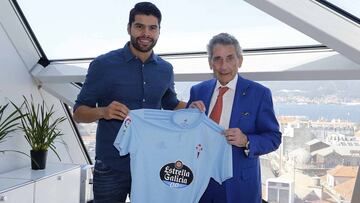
110	186
214	193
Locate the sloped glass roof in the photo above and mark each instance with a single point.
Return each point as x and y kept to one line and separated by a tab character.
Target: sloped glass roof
85	29
350	6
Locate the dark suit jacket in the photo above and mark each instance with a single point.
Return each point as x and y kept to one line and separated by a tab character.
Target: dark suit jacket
253	113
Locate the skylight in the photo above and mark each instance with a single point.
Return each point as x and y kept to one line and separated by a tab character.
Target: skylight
84	29
350	6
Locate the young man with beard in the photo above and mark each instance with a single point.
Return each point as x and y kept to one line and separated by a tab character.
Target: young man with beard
132	77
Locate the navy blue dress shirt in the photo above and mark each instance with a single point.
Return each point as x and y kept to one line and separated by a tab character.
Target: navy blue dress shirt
121	76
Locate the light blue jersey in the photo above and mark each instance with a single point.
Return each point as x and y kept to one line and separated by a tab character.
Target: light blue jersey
173	154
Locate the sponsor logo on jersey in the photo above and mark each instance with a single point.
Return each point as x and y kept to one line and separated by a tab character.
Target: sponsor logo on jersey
176	175
126	123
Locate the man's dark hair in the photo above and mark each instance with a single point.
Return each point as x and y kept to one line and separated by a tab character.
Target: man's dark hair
145	8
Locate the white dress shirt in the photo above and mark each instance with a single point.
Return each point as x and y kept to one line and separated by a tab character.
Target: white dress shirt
228	100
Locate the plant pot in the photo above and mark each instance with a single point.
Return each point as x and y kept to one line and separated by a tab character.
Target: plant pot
38	159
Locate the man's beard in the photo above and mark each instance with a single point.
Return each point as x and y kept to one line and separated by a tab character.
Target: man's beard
137	46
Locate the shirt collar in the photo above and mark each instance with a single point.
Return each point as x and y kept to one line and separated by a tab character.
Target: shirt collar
130	56
231	85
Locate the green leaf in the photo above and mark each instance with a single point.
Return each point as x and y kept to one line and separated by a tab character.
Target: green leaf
8	124
39	125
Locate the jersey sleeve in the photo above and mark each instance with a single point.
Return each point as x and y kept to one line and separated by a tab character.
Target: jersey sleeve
223	169
126	139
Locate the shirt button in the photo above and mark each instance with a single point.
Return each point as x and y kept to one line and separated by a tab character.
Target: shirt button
144	83
144	100
143	65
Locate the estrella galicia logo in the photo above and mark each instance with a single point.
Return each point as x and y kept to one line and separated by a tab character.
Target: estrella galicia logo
176	175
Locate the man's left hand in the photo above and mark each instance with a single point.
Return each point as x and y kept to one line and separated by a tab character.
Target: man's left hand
199	105
236	137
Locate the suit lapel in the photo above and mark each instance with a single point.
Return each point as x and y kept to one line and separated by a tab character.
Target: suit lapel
208	94
239	100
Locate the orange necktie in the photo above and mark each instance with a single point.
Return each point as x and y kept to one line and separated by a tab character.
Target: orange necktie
217	109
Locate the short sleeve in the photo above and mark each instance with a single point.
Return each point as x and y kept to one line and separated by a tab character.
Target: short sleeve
223	163
126	138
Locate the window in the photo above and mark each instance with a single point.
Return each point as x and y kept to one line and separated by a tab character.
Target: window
90	28
352	7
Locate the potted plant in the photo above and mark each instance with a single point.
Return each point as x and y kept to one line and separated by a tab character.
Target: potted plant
40	130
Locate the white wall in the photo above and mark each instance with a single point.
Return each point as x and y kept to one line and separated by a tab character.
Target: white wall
17	57
14	82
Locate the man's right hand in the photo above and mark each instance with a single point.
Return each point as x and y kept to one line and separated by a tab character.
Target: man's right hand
86	114
115	110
